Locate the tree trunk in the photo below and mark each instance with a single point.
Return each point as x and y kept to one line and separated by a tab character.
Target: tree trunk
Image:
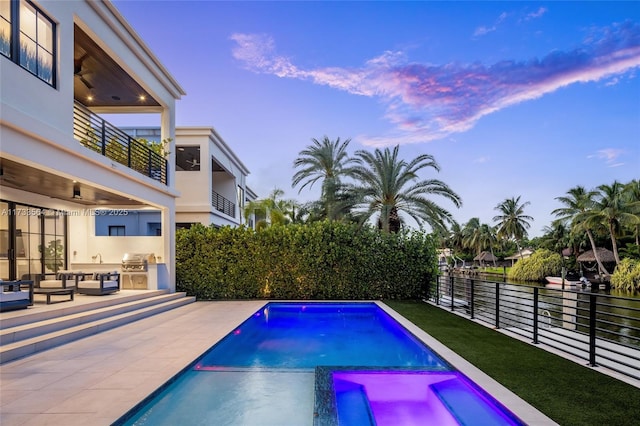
614	243
394	220
601	268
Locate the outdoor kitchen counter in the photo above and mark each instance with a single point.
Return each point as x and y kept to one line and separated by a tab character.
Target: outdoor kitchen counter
95	267
158	277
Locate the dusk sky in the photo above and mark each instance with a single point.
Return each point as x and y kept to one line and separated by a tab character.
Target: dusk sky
512	98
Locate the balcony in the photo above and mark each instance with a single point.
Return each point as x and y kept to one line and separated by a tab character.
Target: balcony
104	138
222	204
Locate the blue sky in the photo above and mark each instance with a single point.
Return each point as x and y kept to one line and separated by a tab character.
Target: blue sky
512	98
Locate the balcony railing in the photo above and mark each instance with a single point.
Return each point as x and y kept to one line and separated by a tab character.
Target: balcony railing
102	137
222	204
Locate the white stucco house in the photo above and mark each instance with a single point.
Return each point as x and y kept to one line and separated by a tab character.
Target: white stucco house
64	66
211	178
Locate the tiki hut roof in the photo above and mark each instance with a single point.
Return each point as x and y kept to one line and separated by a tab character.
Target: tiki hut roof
605	256
485	256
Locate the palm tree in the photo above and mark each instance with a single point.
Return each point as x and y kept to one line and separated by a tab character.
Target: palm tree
389	186
632	198
471	235
577	204
326	161
456	237
479	236
488	238
512	222
272	210
611	210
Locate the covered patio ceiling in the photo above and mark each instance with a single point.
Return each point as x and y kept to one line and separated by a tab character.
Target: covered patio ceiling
99	81
26	178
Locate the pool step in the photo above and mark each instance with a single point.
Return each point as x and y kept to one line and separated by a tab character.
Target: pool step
468	405
26	339
352	397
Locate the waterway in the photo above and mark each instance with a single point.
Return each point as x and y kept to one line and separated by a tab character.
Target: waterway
617	312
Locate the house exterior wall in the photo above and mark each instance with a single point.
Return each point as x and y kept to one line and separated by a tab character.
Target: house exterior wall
36	129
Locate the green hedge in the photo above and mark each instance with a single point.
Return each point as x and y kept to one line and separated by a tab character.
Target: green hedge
542	263
627	275
323	260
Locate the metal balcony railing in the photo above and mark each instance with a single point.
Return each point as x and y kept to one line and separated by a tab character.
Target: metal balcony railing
599	328
102	137
222	204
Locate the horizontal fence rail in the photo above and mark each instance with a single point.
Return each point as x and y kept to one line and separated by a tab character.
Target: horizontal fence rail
596	327
222	204
102	137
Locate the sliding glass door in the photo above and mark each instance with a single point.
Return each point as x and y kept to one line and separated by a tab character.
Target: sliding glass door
32	240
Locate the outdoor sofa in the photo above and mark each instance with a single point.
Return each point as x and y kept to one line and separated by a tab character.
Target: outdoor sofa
16	295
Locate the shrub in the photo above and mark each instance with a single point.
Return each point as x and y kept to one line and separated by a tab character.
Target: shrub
627	275
322	260
542	263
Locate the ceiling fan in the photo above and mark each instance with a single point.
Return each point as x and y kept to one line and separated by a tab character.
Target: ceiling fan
79	72
194	163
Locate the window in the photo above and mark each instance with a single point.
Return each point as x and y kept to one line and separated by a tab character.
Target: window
188	159
185	225
27	38
241	199
116	231
154	229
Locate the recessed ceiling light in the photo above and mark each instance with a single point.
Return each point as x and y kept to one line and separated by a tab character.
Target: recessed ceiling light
142	97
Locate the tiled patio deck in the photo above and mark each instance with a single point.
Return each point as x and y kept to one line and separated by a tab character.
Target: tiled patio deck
97	379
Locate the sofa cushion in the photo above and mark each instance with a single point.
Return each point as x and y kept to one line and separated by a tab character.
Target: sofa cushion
9	296
96	284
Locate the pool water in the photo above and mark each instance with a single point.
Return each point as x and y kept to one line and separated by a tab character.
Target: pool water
266	372
285	335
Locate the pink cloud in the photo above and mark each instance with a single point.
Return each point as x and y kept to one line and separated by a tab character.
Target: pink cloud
426	102
610	156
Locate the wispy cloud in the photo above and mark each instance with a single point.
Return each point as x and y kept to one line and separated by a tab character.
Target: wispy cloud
482	160
610	156
426	102
537	14
483	30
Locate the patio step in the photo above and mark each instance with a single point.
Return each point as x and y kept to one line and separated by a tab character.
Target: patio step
21	317
27	339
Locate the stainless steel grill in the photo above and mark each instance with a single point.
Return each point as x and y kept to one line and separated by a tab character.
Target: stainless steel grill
137	262
134	270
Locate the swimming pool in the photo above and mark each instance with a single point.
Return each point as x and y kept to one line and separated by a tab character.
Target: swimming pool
266	371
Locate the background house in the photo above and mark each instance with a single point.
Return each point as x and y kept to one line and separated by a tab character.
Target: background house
211	178
522	254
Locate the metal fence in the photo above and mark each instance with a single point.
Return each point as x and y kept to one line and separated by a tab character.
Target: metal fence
102	137
222	204
597	327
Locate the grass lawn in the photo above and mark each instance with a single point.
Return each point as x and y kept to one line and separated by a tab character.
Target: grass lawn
567	392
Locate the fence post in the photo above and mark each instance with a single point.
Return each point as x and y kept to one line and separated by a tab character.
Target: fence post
497	305
438	290
451	288
535	315
592	330
471	312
